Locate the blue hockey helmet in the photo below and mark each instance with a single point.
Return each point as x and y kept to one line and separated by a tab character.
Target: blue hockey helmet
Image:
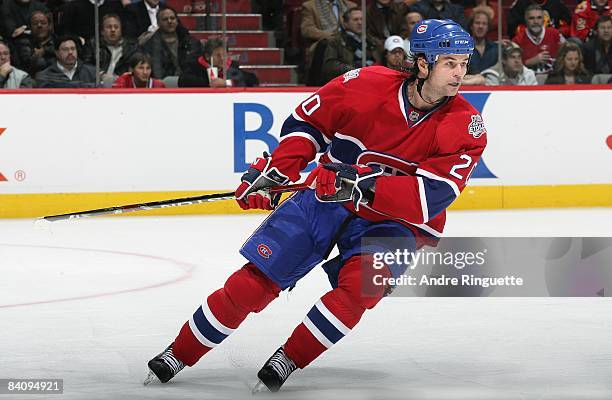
434	37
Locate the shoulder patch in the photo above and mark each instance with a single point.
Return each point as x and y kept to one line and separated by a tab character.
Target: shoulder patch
476	128
352	74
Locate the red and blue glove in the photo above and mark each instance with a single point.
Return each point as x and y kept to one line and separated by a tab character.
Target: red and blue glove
338	182
254	191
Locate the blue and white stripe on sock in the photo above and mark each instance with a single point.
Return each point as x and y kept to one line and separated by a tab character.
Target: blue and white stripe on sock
324	325
207	328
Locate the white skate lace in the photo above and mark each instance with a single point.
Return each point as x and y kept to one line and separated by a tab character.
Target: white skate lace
282	364
175	364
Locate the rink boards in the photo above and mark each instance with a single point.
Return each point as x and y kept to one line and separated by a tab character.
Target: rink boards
66	151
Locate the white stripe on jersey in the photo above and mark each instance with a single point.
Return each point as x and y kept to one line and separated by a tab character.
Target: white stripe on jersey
423	197
435	177
350	139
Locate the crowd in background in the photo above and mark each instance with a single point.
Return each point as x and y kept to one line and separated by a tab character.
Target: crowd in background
143	44
542	43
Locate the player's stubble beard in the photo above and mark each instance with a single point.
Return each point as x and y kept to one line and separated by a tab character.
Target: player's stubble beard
430	94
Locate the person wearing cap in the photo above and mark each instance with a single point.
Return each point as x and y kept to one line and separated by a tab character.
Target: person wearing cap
511	70
394	55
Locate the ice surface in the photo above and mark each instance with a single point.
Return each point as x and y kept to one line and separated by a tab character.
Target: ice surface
91	300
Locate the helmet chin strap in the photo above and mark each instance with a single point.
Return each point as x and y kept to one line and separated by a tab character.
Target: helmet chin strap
419	87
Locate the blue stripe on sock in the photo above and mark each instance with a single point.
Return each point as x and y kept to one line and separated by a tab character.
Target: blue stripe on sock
327	328
206	329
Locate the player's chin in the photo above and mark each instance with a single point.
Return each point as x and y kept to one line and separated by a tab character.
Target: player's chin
453	88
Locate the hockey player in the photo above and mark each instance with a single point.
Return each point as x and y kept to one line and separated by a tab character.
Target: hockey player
398	148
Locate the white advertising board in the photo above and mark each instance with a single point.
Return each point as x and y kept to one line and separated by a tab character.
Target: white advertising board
125	142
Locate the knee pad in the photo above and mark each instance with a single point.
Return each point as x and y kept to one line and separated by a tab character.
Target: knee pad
357	281
249	289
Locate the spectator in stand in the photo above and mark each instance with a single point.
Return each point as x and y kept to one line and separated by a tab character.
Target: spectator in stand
384	18
598	49
410	20
16	16
11	77
485	51
36	52
539	44
115	50
141	20
440	9
556	15
208	70
569	67
343	52
586	16
139	75
171	47
487	6
321	19
407	3
511	70
395	54
67	71
78	17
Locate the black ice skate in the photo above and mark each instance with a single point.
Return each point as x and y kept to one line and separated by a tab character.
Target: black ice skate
275	372
163	367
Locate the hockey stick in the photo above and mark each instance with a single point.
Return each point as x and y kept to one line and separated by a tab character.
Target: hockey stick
185	201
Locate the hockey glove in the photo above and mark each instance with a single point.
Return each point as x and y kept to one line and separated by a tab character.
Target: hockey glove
337	182
254	191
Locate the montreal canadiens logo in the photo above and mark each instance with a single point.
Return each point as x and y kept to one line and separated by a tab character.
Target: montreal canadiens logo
422	29
264	251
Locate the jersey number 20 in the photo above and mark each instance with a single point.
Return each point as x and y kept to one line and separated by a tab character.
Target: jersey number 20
466	164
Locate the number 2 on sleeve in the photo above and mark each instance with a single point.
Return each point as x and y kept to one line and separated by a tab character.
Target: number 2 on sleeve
466	164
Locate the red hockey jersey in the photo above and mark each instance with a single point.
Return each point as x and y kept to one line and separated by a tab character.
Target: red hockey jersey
550	41
585	17
364	117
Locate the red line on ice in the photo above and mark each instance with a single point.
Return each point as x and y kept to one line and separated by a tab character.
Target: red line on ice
186	267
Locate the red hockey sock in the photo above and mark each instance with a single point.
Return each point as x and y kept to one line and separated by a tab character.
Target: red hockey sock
246	290
331	318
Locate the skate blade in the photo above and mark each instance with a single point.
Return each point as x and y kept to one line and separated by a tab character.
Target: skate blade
259	387
151	378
